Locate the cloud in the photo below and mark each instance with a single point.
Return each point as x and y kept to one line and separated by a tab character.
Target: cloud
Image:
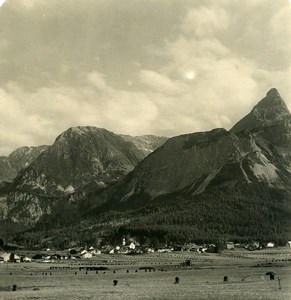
167	67
205	21
97	80
161	83
34	118
227	77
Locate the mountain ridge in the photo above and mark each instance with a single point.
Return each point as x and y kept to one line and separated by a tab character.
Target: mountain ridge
83	156
209	184
253	161
270	109
17	160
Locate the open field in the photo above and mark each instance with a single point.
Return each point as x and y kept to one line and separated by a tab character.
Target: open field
203	280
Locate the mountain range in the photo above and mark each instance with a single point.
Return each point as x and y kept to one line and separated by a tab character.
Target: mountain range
205	185
201	186
81	159
19	159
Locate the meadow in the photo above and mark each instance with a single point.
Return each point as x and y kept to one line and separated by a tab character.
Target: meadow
152	276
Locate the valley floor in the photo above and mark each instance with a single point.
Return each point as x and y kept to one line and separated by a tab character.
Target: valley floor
203	280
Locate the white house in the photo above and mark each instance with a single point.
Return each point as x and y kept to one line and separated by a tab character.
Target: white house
288	244
229	245
15	258
86	255
5	256
26	259
270	245
131	246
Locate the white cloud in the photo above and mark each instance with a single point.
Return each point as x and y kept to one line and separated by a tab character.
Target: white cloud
205	21
161	83
38	117
97	80
281	30
143	82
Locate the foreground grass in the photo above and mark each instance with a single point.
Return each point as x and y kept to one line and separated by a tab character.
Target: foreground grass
247	280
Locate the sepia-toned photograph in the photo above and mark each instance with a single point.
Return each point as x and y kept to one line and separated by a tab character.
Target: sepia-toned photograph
145	149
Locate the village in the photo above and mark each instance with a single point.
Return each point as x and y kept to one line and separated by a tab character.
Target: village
130	247
128	269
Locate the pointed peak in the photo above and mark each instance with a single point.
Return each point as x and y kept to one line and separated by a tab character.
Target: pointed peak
272	104
268	111
273	93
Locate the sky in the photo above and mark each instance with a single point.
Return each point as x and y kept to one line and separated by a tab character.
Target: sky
163	67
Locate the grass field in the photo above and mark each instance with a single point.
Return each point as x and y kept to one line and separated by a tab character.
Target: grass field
203	280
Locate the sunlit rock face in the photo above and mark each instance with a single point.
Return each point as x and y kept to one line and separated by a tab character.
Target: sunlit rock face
257	150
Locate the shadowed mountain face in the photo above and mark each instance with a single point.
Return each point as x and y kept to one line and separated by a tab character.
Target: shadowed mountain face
81	157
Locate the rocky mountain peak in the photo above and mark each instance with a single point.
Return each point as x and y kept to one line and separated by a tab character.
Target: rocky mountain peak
273	103
268	111
18	160
273	93
80	131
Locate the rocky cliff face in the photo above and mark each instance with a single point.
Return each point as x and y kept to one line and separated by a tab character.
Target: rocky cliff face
18	160
267	112
257	148
146	143
81	157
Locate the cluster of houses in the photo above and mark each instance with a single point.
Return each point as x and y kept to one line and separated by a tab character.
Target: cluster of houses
250	246
132	247
12	257
48	255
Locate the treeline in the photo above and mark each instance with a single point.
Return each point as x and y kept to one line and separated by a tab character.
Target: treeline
240	215
237	215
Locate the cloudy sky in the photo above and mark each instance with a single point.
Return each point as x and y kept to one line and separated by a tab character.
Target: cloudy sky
163	67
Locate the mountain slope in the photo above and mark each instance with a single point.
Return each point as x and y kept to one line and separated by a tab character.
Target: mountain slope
18	160
244	172
146	143
202	186
81	159
267	112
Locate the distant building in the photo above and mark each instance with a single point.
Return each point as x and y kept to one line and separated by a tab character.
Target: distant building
26	259
229	245
131	246
288	244
86	255
270	245
5	257
84	252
